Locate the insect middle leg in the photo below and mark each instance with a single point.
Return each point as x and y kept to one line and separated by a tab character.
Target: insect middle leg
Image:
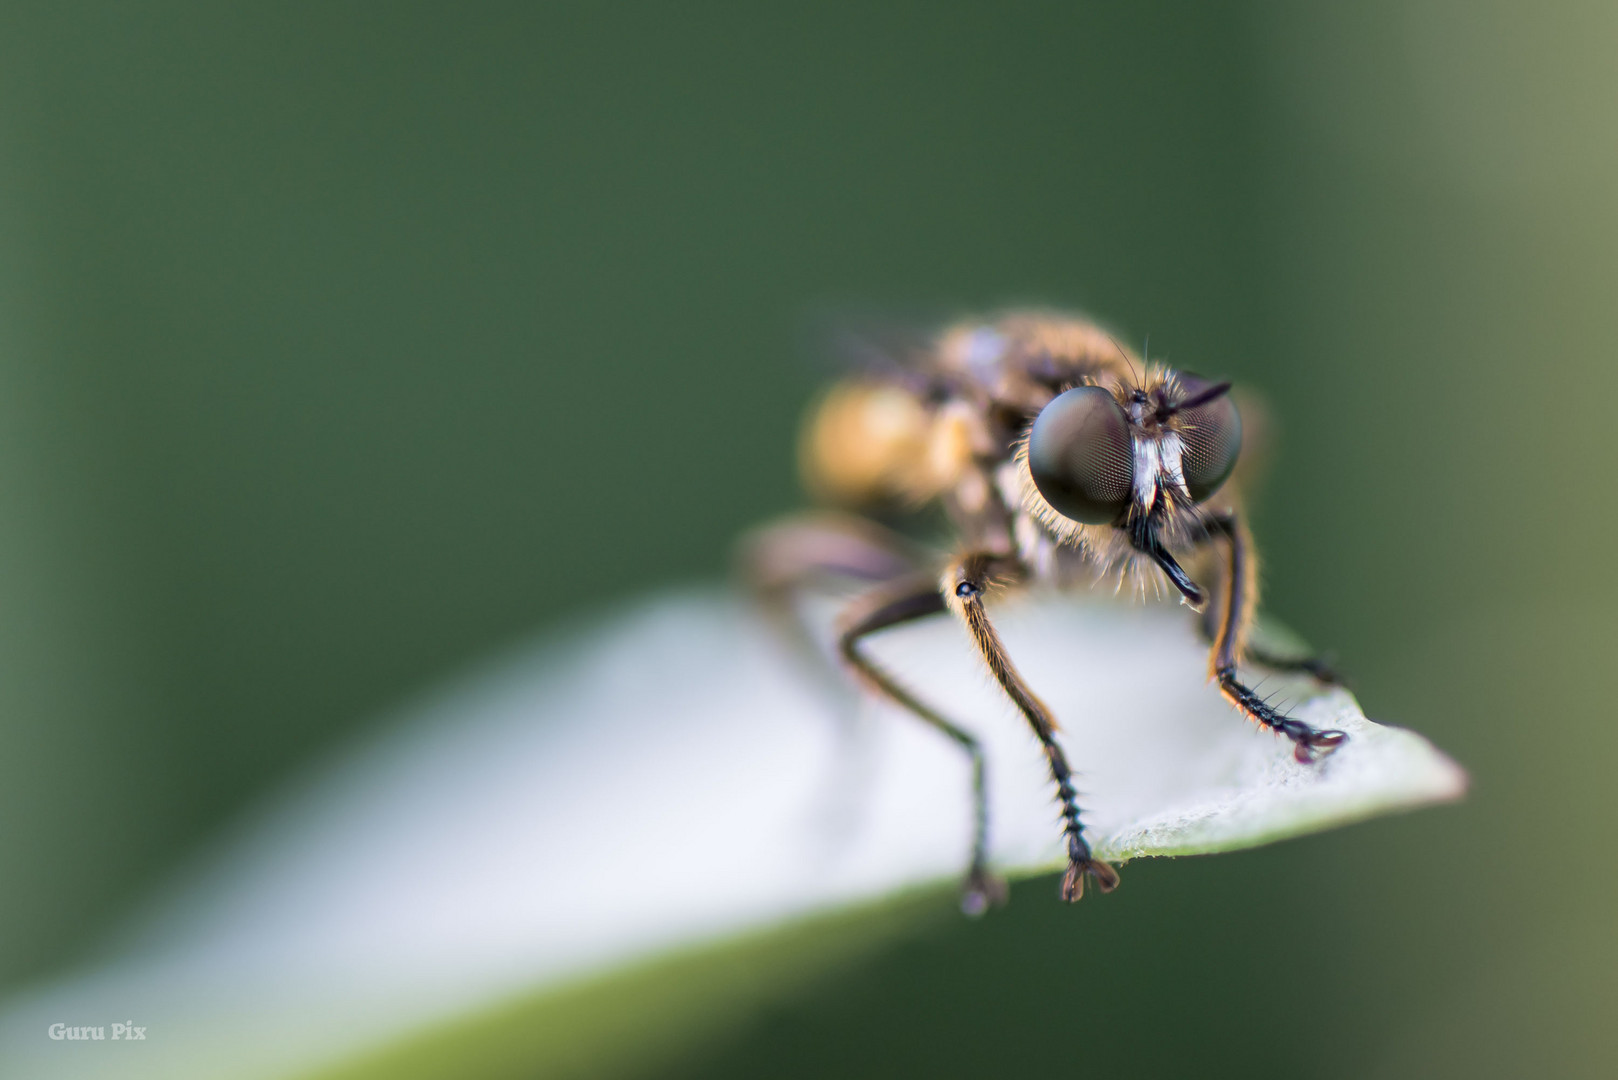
965	582
782	560
785	556
1240	600
892	605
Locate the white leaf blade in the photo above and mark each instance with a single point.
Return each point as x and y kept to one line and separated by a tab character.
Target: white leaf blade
670	778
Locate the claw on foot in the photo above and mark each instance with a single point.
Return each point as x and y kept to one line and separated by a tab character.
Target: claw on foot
982	891
1106	878
1311	747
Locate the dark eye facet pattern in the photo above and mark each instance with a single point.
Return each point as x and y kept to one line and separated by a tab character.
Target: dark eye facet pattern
1212	438
1081	456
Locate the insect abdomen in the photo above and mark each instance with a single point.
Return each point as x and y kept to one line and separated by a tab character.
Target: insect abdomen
870	442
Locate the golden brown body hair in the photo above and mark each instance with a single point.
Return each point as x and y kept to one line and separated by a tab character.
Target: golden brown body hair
964	425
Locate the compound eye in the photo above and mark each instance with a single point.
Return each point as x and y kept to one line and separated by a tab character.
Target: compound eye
1211	435
1081	456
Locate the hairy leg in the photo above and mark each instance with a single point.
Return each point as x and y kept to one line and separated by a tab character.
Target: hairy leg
892	605
784	559
1240	600
789	555
1319	667
964	584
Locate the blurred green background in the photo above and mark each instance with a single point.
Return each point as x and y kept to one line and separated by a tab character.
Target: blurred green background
340	344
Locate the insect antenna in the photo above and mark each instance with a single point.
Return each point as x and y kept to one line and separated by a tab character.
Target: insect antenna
1139	377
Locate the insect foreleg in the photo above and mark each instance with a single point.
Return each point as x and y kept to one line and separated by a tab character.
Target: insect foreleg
1319	667
965	582
1240	597
892	605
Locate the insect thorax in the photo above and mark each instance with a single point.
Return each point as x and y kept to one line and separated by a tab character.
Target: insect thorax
951	426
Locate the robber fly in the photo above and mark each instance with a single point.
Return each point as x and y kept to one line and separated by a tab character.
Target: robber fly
1059	457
